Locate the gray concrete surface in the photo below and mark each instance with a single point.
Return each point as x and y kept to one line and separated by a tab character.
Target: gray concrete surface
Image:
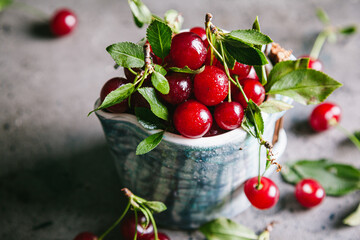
56	174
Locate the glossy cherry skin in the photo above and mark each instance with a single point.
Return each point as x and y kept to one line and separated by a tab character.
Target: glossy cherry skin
211	86
180	88
201	33
187	49
324	116
252	74
309	193
192	119
265	197
239	69
161	236
110	86
128	227
315	64
63	22
229	115
252	89
86	236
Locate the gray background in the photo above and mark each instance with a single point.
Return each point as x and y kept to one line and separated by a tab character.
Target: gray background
56	175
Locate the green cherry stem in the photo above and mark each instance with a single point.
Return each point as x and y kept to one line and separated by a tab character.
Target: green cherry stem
259	173
136	223
351	136
115	223
319	42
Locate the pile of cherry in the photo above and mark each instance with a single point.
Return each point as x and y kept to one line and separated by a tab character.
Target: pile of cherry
199	102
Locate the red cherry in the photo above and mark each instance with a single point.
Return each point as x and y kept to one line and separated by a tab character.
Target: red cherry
211	86
180	88
161	236
252	89
309	193
315	64
63	22
110	86
229	115
192	119
128	228
201	33
86	236
188	49
266	196
252	74
324	116
129	75
241	70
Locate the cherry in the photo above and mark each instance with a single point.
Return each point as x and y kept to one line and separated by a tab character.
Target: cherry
252	74
129	75
241	70
315	64
309	193
128	227
180	88
214	130
324	116
229	115
252	89
192	119
264	196
161	236
188	49
63	22
86	236
110	86
201	33
211	86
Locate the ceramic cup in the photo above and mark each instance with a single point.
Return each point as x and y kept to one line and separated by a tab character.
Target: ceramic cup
198	179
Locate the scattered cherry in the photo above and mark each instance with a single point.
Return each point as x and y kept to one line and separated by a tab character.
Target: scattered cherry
264	196
110	86
188	49
315	64
161	236
324	116
128	227
252	89
201	33
180	88
211	86
63	22
86	236
192	119
309	193
229	115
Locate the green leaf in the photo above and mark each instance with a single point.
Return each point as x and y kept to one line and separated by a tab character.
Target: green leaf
157	107
116	96
147	119
357	135
248	127
251	36
354	218
127	54
174	19
159	36
149	143
322	16
348	30
260	70
141	13
226	229
274	106
156	206
336	179
186	69
160	82
160	69
4	4
256	24
244	53
253	114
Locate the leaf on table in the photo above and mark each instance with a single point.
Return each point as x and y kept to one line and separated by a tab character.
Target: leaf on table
186	69
147	119
140	12
226	229
159	36
337	179
157	107
354	218
149	143
274	106
127	54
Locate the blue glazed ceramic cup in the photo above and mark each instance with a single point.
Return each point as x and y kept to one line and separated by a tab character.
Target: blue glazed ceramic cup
198	179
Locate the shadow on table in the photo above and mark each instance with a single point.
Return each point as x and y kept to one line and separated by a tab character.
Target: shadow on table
79	193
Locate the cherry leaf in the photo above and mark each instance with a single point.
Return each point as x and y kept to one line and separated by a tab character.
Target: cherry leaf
159	36
149	143
251	36
127	54
174	19
147	119
253	114
274	106
156	206
186	69
141	13
160	82
322	16
354	218
157	107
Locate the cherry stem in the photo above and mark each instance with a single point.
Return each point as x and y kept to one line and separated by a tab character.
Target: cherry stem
319	43
350	135
136	223
259	173
32	10
116	223
132	71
